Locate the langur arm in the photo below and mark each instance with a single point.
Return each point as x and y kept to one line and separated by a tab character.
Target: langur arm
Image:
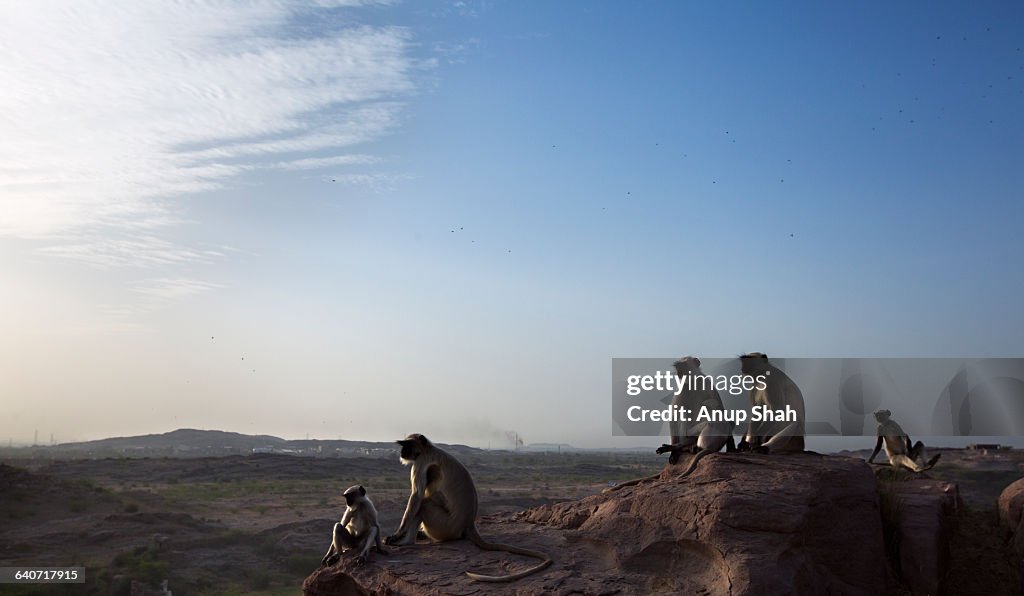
379	541
332	549
749	440
878	447
675	429
369	540
412	508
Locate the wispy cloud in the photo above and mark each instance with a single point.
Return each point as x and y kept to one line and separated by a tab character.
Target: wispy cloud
129	316
376	181
462	8
174	288
457	52
134	250
113	110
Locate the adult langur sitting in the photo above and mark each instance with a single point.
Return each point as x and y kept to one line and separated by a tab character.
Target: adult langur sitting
775	391
444	502
897	446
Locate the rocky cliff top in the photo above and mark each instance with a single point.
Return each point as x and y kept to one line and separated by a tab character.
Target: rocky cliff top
741	523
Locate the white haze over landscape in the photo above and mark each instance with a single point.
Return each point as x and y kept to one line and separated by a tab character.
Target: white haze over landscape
349	219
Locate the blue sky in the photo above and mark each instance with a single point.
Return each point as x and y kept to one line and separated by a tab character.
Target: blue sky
804	179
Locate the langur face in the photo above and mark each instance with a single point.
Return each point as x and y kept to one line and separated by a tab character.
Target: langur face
753	363
353	494
686	365
410	448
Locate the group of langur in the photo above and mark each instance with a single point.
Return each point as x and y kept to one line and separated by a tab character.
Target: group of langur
443	501
777	392
442	504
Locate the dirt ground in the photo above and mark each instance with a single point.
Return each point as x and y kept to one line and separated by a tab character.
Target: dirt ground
260	524
239	524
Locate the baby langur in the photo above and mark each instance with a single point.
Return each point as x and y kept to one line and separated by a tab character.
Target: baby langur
358	528
897	446
698	391
779	392
444	502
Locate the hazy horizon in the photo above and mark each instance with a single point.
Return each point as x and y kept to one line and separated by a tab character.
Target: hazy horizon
814	443
361	219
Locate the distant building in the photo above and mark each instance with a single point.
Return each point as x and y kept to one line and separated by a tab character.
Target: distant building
985	447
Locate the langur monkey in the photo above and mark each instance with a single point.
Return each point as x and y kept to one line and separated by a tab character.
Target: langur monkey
696	394
701	438
444	502
358	528
897	446
779	391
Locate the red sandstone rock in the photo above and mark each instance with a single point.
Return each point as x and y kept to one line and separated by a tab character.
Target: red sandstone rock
1011	502
741	524
924	511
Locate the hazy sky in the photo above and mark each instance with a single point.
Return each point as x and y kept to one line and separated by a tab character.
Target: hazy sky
355	219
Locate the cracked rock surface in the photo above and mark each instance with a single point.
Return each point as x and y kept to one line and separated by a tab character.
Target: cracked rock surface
740	524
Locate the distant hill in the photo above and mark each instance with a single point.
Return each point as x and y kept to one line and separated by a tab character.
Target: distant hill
183	437
195	442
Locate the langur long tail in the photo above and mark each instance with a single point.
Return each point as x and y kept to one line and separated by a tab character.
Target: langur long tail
694	460
633	482
482	544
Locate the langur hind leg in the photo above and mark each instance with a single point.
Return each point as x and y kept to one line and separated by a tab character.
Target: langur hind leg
786	440
439	524
920	455
917	451
410	535
902	461
341	539
753	440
